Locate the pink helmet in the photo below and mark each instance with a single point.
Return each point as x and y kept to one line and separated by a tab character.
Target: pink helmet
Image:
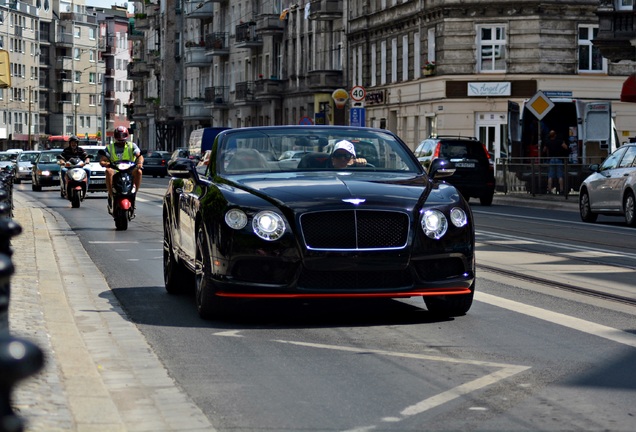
121	133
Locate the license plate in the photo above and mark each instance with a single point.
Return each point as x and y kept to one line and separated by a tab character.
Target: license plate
465	165
56	177
98	181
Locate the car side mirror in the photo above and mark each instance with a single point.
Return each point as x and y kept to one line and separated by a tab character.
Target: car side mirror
595	168
182	168
441	168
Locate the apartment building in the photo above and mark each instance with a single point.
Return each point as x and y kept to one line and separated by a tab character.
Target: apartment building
427	66
58	52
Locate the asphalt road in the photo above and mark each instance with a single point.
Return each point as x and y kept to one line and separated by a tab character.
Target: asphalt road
526	357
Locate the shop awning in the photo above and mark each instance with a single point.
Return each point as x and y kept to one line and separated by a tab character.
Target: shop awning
628	94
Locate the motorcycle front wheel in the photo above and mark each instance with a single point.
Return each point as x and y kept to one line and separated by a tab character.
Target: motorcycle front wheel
75	200
121	220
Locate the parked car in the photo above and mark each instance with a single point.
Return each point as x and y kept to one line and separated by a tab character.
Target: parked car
46	170
611	188
181	152
97	179
25	165
155	163
468	159
8	161
241	226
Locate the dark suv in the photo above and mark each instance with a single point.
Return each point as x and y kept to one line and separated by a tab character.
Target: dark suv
474	173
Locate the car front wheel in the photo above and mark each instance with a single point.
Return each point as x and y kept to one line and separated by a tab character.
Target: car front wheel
585	209
209	305
450	305
629	205
175	276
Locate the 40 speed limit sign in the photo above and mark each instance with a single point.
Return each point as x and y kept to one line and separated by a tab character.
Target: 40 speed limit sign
358	94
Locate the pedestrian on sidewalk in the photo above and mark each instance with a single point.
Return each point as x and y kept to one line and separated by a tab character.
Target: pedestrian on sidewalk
556	149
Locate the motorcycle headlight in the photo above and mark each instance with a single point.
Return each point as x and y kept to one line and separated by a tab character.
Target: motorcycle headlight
236	219
268	225
77	175
434	224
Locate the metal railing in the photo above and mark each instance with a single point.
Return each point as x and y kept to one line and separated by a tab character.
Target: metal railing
530	176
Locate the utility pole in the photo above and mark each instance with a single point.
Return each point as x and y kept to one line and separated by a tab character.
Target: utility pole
104	108
29	122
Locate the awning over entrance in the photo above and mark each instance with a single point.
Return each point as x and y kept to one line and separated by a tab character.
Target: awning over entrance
628	94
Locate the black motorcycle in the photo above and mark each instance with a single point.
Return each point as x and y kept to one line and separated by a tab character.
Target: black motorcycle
122	207
74	183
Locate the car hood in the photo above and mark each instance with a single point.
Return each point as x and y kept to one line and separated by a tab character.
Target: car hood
305	191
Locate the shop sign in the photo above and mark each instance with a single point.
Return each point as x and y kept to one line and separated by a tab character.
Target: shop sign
375	97
489	88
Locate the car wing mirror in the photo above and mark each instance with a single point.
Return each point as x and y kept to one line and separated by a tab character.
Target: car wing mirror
182	168
440	169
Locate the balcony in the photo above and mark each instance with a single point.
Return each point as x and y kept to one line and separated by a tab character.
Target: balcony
142	22
109	95
195	57
217	97
65	63
138	70
109	73
65	86
325	10
324	79
268	89
269	24
616	31
64	39
244	93
216	44
134	34
196	109
197	9
246	36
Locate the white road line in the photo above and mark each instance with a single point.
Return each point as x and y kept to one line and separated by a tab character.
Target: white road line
112	242
588	327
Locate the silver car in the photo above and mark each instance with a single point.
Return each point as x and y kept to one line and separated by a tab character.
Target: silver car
25	165
611	188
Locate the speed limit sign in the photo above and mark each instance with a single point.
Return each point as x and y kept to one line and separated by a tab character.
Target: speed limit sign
358	93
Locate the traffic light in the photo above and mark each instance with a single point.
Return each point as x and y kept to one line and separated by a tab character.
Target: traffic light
5	71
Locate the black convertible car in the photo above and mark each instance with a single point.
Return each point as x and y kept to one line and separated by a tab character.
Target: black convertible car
356	216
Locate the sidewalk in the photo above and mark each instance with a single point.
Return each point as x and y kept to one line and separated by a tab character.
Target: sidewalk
100	374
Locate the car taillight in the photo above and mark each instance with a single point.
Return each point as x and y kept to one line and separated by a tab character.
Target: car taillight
486	151
163	162
436	152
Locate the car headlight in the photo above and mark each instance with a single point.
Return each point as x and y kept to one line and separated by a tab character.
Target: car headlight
434	224
458	217
45	173
236	219
268	225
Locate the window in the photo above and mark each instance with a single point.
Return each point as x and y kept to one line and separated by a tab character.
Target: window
624	4
76	53
92	33
77	76
76	98
77	32
92	100
590	58
491	48
91	77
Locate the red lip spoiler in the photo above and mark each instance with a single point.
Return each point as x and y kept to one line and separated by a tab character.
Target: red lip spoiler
428	292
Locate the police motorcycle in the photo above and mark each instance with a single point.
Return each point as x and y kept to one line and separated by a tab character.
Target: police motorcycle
74	183
122	207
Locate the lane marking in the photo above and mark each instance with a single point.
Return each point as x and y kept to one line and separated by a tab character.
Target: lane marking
573	323
230	333
113	242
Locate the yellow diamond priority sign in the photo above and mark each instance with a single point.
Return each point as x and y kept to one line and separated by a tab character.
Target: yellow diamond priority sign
540	105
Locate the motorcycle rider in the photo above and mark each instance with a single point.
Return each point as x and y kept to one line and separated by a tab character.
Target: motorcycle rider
121	148
74	150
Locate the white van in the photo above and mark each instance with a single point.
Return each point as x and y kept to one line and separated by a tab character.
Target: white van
587	125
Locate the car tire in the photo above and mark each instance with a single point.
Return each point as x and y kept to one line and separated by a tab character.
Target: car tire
585	210
36	188
176	277
17	181
629	207
209	305
486	200
451	305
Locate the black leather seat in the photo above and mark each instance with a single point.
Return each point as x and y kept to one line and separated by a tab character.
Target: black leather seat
314	160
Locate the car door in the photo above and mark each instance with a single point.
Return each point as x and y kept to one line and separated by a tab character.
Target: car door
606	186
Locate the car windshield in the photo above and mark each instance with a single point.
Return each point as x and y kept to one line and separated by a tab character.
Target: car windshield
301	149
4	157
48	157
28	157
